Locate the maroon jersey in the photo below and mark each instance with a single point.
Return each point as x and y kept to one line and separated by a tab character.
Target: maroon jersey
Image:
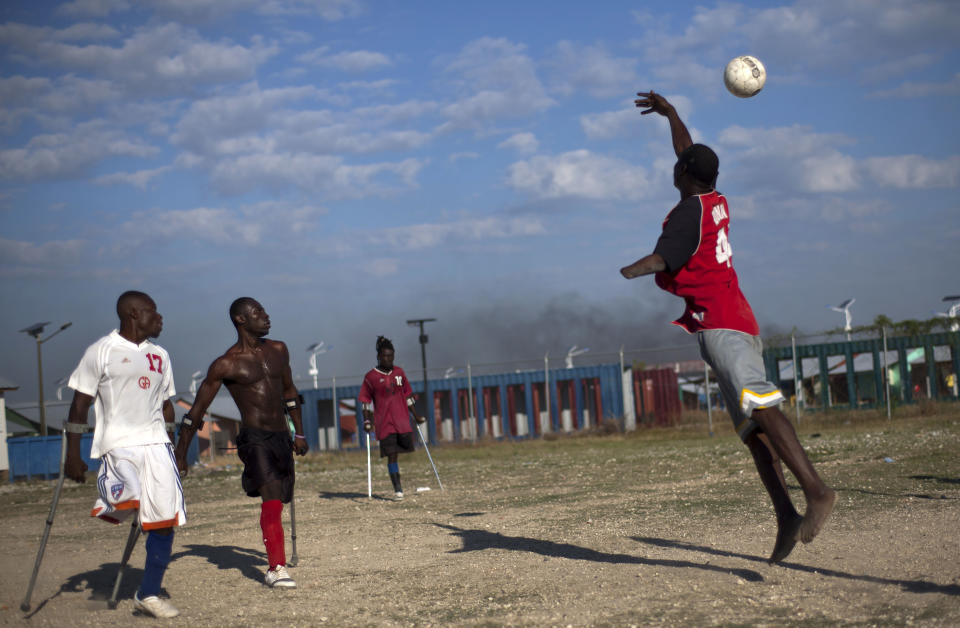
389	393
706	279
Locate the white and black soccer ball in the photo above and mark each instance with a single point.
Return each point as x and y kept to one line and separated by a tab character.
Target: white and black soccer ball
744	76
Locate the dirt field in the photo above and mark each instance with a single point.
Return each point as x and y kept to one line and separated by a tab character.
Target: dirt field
664	527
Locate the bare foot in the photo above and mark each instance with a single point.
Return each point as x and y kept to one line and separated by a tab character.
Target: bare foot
787	536
818	509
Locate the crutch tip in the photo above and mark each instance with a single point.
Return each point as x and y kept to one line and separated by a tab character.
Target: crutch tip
112	604
25	607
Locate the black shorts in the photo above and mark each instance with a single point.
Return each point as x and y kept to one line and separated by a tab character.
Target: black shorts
396	444
267	457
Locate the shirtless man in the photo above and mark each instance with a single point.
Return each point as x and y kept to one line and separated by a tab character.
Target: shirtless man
256	371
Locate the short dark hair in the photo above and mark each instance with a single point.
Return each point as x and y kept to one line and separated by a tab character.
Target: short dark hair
383	343
236	308
701	162
125	300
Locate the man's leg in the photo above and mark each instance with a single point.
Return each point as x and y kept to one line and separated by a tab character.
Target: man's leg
784	442
393	467
159	545
771	473
273	537
271	524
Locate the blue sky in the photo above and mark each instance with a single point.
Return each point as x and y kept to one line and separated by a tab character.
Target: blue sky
353	164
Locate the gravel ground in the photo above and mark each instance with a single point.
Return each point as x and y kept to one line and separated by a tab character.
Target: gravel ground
666	527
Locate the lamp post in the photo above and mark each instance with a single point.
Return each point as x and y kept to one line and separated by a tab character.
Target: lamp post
314	350
431	428
36	330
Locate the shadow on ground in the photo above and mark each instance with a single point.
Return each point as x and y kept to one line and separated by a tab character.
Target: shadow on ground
352	496
479	540
99	582
911	586
248	562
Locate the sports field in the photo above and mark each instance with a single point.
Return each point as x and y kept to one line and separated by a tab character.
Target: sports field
666	526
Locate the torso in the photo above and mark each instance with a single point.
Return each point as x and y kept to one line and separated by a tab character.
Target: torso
708	282
255	381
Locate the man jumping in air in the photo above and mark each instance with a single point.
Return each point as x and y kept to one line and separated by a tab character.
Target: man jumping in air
256	371
693	259
387	398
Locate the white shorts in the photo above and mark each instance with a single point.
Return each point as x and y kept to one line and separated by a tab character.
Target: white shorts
142	478
737	360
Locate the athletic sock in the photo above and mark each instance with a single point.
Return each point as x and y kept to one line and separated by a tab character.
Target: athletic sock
159	547
272	529
394	469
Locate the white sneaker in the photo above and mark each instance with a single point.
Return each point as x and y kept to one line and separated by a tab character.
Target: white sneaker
154	606
278	578
398	495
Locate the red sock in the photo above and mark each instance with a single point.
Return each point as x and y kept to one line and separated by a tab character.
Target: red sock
273	532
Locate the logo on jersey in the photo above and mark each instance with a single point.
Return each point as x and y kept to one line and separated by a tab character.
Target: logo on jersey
144	382
116	490
399	379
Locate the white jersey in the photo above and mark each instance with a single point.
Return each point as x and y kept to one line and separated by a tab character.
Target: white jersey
129	382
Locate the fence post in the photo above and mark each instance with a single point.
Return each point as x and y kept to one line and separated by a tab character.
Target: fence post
886	370
797	389
706	390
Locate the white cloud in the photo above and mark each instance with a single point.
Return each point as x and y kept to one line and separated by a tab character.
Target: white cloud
579	173
423	236
47	254
455	157
922	89
245	225
64	155
582	68
495	80
160	58
913	171
524	143
318	174
330	10
351	61
382	267
138	179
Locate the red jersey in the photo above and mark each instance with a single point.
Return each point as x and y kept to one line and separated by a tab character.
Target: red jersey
706	280
389	393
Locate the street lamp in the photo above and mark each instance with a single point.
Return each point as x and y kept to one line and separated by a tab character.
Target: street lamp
572	353
423	356
317	348
36	330
953	313
844	308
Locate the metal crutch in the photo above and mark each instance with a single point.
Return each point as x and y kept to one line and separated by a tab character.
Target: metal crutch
422	440
127	551
25	605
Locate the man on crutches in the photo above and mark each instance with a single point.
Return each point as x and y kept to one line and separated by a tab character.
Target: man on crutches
131	380
387	399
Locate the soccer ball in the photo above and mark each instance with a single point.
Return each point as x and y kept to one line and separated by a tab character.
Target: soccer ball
744	76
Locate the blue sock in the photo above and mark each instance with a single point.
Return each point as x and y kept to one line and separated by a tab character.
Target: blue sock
158	557
393	467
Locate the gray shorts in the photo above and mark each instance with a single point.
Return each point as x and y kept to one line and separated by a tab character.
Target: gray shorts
737	360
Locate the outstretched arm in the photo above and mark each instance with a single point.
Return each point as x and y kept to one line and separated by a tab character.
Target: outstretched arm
193	419
291	400
648	265
655	103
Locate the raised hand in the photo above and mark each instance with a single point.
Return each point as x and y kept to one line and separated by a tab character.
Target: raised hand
653	103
